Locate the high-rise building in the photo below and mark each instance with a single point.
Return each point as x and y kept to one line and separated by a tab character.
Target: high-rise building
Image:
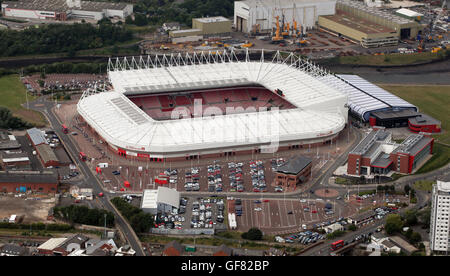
440	217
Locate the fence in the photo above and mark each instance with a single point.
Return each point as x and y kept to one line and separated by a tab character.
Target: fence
182	231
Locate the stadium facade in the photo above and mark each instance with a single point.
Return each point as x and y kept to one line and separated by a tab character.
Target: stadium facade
178	107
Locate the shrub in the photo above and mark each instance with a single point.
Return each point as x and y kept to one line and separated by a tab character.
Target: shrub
252	234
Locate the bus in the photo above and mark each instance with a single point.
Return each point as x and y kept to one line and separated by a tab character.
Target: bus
83	156
65	129
337	244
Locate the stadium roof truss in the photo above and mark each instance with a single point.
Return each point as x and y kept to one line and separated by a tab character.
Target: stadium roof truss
321	107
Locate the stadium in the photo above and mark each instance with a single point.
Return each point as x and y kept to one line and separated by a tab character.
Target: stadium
181	107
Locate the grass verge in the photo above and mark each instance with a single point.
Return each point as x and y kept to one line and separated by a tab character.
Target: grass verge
13	94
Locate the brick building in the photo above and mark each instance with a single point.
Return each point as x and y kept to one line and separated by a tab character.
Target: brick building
293	173
42	147
23	181
378	154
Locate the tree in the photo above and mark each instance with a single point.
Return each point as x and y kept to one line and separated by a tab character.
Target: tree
129	20
407	189
252	234
410	218
425	217
415	237
362	179
352	227
393	224
140	19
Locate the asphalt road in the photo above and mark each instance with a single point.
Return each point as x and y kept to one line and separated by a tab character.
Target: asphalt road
319	182
90	179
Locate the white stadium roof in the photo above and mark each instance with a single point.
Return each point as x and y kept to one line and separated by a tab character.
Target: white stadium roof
320	111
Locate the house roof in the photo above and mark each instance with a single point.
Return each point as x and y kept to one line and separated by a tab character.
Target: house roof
44	177
78	239
46	153
403	244
52	244
14	249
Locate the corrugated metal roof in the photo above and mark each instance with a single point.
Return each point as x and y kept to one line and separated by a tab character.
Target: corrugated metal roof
168	196
37	136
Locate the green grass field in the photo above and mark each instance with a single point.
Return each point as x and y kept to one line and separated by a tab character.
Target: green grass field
441	156
433	100
13	94
390	59
423	185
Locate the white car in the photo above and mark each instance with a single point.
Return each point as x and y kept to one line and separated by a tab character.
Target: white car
258	209
302	200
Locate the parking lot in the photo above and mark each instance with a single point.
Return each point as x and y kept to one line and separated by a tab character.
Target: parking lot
278	217
194	213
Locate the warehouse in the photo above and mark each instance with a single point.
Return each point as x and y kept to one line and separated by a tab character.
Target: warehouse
212	25
62	10
23	181
8	142
207	26
367	33
162	200
409	14
251	13
369	26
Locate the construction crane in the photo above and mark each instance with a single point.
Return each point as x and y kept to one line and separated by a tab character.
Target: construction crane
438	16
277	36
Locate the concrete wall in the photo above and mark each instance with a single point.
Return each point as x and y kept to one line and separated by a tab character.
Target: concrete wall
32	14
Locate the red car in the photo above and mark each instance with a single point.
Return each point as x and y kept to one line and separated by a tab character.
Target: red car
265	200
100	194
314	211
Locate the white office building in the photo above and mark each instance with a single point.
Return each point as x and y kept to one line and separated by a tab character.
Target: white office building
440	217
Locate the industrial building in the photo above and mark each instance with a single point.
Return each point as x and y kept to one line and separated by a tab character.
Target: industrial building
162	200
42	147
62	10
261	14
13	160
8	142
378	154
369	26
205	27
293	173
23	181
212	25
409	14
440	217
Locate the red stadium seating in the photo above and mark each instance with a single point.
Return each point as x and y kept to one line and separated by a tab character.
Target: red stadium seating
160	107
